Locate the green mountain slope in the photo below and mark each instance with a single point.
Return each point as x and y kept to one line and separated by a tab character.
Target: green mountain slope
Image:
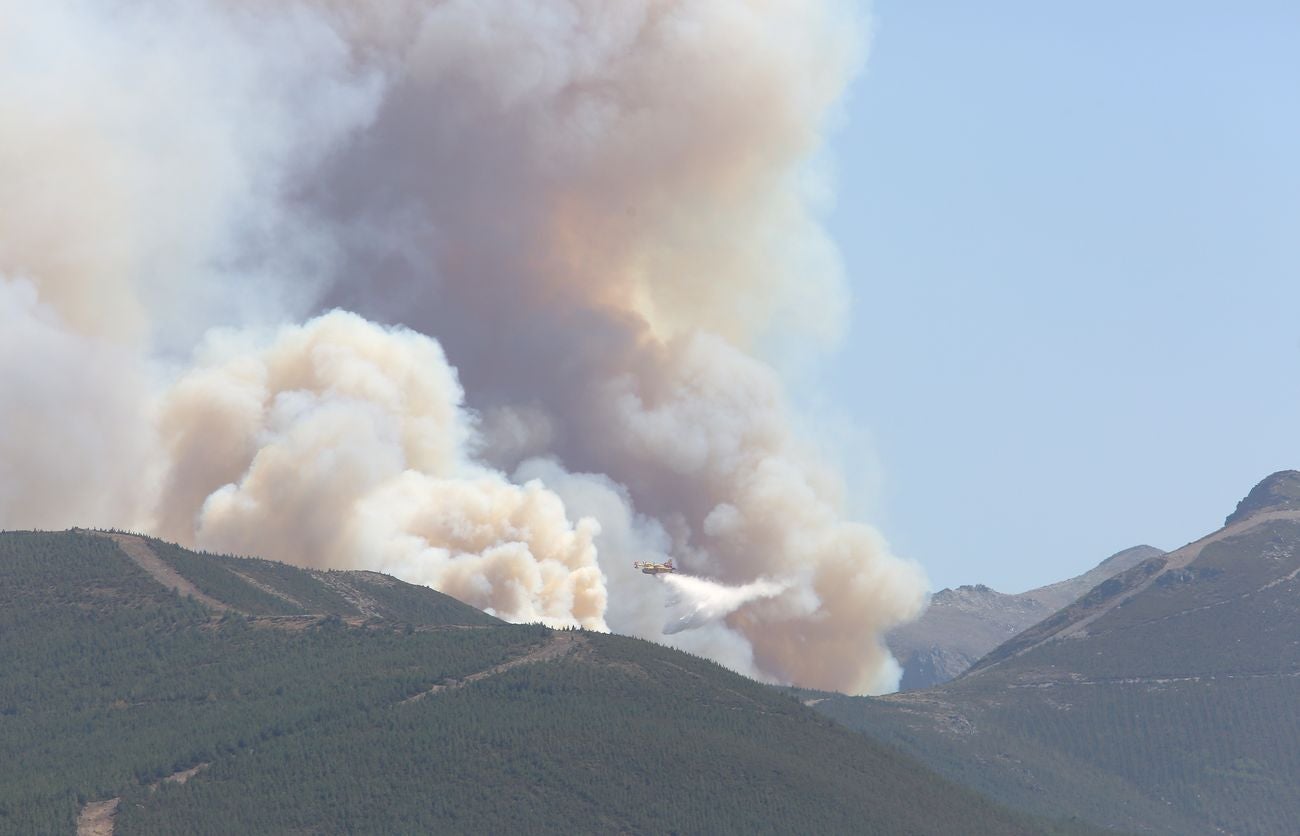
160	691
1162	701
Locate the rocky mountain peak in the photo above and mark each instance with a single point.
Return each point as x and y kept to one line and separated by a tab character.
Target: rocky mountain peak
1280	491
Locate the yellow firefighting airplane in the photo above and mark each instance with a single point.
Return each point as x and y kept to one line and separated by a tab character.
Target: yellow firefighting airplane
655	568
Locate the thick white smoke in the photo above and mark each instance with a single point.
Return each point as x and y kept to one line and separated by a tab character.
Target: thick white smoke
597	211
70	422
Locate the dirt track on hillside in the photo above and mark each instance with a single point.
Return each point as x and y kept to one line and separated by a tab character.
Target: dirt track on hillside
560	644
96	818
143	556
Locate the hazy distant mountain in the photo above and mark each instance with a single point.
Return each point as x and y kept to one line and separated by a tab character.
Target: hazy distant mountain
147	689
1165	700
963	624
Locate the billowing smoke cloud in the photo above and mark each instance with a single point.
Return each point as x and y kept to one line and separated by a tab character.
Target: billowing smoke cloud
342	444
602	213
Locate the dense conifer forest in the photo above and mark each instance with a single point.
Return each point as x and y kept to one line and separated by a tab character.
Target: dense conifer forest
307	716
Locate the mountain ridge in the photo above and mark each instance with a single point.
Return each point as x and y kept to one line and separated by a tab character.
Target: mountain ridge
1161	701
962	625
1074	619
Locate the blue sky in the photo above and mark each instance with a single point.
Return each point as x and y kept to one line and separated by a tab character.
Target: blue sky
1073	237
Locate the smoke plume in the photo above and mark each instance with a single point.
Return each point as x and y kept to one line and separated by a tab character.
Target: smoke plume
567	232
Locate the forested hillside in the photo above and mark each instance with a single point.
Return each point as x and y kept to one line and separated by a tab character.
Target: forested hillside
316	715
